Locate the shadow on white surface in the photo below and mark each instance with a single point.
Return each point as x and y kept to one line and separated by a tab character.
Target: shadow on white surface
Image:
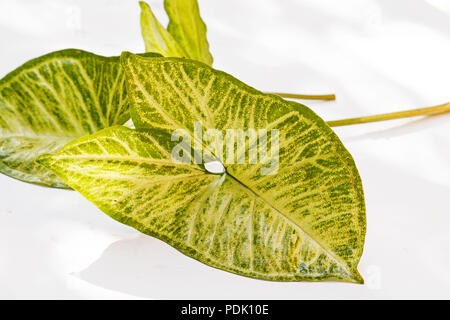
145	267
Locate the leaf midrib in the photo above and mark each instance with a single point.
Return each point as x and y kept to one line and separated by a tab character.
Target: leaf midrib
126	158
342	263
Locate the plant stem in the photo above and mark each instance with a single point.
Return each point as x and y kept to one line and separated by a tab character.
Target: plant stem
327	97
395	115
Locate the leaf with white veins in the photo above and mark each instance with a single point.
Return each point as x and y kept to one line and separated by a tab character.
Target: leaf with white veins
52	100
305	222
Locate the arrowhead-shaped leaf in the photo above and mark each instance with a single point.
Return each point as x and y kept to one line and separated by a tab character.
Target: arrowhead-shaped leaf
185	35
52	100
304	222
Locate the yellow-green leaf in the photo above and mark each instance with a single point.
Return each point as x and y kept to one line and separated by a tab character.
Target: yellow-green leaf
304	222
188	28
156	37
52	100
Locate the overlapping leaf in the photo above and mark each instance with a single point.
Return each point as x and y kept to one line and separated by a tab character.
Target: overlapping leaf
305	222
52	100
156	37
185	35
188	28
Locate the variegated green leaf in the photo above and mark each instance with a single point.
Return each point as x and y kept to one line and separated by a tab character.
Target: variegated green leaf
185	35
156	38
304	222
52	100
188	28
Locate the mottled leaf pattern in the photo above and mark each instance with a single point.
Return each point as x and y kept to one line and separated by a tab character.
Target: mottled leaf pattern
185	35
52	100
306	222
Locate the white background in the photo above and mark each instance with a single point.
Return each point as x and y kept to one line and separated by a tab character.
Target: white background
377	56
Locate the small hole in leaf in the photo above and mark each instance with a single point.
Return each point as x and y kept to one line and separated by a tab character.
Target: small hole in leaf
215	167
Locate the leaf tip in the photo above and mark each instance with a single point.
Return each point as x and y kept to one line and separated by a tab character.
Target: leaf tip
356	277
144	5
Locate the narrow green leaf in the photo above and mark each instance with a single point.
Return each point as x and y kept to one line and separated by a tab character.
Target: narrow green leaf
304	222
156	38
52	100
188	28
